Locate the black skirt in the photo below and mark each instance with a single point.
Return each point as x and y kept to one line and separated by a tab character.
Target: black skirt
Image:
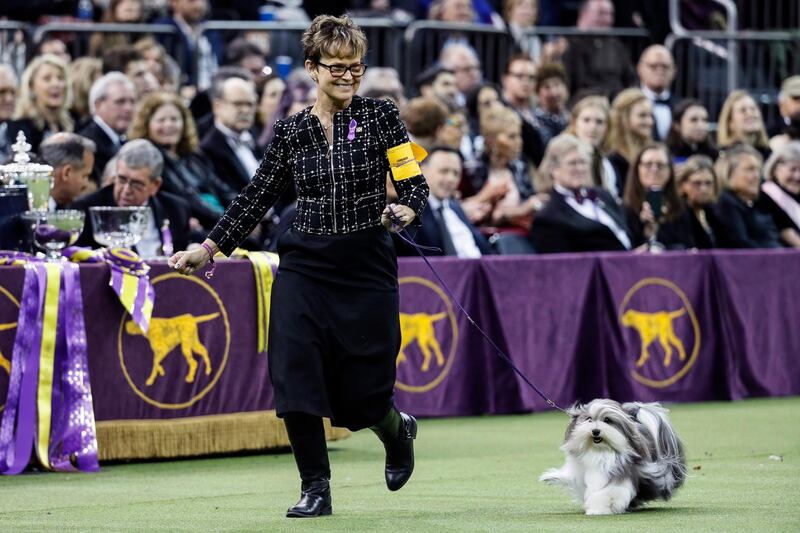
334	329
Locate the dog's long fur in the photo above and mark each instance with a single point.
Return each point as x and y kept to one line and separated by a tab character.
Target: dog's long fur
619	456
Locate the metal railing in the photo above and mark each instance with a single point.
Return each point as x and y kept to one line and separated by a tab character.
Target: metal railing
707	70
283	38
79	33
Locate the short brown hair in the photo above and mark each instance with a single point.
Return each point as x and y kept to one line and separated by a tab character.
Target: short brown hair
548	71
332	36
423	116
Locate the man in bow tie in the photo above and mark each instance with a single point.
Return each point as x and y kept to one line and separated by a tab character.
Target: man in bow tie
229	144
656	70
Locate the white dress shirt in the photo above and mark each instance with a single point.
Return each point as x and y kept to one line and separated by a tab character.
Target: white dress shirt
591	210
662	113
113	135
461	235
150	245
240	144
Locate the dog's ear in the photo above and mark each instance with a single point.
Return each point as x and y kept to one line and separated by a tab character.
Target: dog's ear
575	410
631	409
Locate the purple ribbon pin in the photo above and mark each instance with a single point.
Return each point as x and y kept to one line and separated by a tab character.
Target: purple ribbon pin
351	134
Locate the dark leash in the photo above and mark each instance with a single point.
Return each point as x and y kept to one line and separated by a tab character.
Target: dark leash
400	230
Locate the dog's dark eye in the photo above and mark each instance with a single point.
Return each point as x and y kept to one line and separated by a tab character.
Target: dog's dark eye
607	420
588	418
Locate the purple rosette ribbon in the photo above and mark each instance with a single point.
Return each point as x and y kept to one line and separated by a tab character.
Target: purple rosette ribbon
351	129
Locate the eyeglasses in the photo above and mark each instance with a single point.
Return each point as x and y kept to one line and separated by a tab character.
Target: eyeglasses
522	77
337	71
138	186
659	66
241	104
653	164
466	68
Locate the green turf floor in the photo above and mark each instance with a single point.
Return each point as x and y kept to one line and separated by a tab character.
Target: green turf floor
473	474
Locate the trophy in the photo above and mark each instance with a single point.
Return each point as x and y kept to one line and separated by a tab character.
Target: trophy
36	177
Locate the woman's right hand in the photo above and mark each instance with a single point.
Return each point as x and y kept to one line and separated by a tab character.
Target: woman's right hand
188	262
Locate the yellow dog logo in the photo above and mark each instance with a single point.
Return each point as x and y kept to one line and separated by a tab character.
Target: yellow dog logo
669	324
419	327
652	326
5	363
166	334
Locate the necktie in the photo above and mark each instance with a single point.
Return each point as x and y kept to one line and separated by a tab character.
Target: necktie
447	241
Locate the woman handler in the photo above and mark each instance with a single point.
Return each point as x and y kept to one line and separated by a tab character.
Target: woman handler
334	331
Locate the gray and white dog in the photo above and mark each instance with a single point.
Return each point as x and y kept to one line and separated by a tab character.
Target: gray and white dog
619	456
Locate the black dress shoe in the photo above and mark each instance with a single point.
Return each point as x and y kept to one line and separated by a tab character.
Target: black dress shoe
315	500
400	454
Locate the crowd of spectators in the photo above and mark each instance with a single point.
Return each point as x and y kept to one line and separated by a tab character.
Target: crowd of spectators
573	149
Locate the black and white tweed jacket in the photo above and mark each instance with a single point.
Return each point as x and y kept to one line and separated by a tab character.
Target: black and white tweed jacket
341	186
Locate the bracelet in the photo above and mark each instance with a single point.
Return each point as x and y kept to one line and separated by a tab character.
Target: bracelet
209	274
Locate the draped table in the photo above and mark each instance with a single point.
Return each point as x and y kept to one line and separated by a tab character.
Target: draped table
672	327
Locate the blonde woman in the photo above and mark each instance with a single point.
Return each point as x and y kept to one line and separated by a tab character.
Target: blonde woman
740	122
84	71
589	122
631	129
503	181
780	193
44	100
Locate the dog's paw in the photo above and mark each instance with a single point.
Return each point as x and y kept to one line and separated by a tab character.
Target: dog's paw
598	511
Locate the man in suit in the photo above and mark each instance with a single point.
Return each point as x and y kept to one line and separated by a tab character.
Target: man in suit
578	218
193	49
112	99
72	158
229	144
444	224
656	70
136	183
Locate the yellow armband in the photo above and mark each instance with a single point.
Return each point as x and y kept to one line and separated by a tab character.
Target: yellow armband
404	160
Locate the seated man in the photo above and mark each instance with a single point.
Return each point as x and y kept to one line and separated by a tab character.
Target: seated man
136	183
72	159
444	224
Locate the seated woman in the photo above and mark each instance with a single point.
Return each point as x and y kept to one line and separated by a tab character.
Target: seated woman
651	198
578	217
740	122
631	129
780	193
745	224
43	102
589	123
696	226
502	182
163	119
689	134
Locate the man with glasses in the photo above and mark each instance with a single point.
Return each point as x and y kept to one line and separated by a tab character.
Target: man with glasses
656	70
229	144
461	60
112	99
136	183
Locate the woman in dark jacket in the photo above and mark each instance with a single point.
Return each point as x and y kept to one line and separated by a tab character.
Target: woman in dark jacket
745	224
689	133
334	331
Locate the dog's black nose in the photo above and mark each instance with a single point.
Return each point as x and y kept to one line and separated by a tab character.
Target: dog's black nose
595	432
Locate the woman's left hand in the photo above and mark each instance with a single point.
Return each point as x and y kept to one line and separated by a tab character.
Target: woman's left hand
402	213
